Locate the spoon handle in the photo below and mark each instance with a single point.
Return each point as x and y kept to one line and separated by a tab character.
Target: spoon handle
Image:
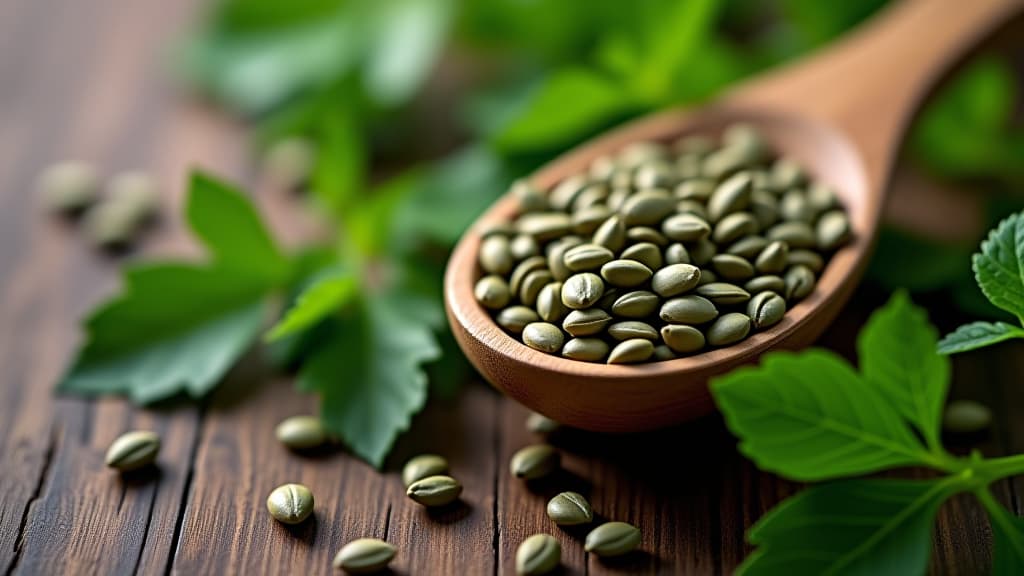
869	84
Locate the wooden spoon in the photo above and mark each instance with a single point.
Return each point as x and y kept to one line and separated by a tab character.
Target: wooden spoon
841	113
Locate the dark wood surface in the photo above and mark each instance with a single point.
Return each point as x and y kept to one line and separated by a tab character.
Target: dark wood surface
88	80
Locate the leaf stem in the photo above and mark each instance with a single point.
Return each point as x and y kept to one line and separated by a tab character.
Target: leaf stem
998	468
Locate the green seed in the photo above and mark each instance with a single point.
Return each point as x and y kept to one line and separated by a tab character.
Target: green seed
692	207
530	198
821	197
685	228
423	466
657	174
591	195
500	228
496	255
723	293
612	539
698	190
625	273
730	196
364	556
966	416
677	254
545	226
544	337
290	503
766	284
541	424
538	554
746	137
523	246
570	509
621	189
799	283
632	329
733	227
707	277
694	144
728	329
833	230
434	491
675	279
765	208
492	292
133	450
556	259
690	166
631	351
644	234
637	153
647	207
725	161
532	285
663	352
766	309
701	252
611	234
586	349
732	267
68	187
586	322
515	318
531	264
786	173
636	304
587	257
563	195
645	253
586	220
772	259
535	461
582	290
794	207
748	247
549	303
795	234
681	338
812	260
301	432
689	309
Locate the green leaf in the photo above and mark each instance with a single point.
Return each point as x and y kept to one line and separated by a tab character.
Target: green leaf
369	376
811	417
674	38
999	268
232	230
322	298
271	14
978	335
175	328
570	104
405	47
1008	545
340	173
898	358
875	527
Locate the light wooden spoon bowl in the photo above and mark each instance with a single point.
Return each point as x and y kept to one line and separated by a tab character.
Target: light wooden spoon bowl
841	114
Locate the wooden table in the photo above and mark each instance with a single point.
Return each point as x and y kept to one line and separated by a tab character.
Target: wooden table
84	79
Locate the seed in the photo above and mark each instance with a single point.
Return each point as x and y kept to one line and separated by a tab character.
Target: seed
532	285
290	503
515	318
288	162
733	227
728	329
766	284
699	190
677	254
612	539
730	196
637	304
586	220
794	207
422	466
496	255
500	228
587	257
799	282
663	352
586	322
538	554
642	234
136	192
582	290
694	144
724	161
524	268
631	351
535	461
748	247
541	424
523	246
590	196
133	450
685	228
364	556
746	137
492	292
645	253
707	277
570	509
556	260
723	293
786	173
586	349
966	416
821	197
765	309
692	207
544	225
301	432
543	336
702	252
637	153
764	207
110	225
807	258
833	230
772	259
795	234
732	267
68	187
565	192
621	189
434	491
625	273
611	294
611	234
675	279
681	338
689	309
647	207
657	174
549	303
530	198
632	329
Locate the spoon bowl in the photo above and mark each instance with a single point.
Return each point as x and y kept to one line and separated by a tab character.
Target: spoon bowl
844	137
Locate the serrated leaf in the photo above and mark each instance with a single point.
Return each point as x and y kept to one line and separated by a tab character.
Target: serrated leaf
232	231
876	527
999	268
898	358
978	335
369	376
321	299
810	417
1008	545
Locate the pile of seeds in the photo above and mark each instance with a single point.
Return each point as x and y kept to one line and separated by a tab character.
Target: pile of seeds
660	251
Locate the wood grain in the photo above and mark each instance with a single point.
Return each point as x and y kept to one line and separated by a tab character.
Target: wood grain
84	80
